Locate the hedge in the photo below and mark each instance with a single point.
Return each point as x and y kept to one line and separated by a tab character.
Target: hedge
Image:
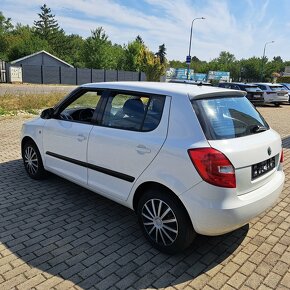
283	80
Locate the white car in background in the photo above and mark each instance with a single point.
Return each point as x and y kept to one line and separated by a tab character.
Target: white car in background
187	159
287	87
274	93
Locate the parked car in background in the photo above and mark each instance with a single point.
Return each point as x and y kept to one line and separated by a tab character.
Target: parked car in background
187	159
287	87
274	93
254	93
190	82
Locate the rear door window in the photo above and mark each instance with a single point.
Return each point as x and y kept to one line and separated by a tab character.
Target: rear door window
133	111
228	117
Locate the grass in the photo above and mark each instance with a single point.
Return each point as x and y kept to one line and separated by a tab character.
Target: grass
29	103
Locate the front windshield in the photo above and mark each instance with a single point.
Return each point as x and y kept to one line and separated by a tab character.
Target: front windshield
228	117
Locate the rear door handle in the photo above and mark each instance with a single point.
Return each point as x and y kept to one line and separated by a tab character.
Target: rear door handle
142	149
81	138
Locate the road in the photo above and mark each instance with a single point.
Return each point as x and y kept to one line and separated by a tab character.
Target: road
33	89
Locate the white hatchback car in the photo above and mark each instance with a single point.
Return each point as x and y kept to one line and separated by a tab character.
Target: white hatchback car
188	159
274	93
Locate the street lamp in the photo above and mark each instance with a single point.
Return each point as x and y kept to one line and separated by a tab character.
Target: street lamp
188	58
262	66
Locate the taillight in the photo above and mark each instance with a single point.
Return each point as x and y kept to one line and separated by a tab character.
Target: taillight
213	166
282	156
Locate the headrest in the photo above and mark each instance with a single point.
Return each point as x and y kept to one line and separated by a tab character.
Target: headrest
133	107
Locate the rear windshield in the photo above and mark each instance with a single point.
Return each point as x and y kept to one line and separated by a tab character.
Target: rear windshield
228	117
253	89
276	88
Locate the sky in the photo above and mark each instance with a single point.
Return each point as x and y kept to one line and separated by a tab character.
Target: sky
241	27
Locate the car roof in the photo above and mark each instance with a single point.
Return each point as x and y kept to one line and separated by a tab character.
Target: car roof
194	92
241	84
268	84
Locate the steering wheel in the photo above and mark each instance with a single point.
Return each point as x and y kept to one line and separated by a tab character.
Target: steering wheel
86	114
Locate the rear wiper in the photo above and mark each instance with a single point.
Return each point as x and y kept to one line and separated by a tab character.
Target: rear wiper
258	129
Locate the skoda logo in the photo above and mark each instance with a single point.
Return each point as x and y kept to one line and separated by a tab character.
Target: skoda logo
269	151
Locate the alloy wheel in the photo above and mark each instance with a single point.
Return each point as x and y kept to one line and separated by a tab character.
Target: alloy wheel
31	160
160	222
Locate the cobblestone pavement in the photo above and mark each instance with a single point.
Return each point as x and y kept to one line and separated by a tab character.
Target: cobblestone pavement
56	235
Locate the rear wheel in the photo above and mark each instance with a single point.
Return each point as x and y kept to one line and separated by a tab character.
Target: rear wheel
164	221
32	161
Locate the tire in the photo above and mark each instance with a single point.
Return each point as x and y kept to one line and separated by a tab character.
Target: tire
32	161
173	236
277	104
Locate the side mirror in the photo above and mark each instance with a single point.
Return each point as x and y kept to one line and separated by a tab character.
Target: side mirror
47	113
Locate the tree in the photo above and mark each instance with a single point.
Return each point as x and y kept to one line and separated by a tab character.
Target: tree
23	42
161	53
132	55
139	39
251	69
72	50
5	28
195	59
278	59
47	26
97	51
225	58
151	65
5	24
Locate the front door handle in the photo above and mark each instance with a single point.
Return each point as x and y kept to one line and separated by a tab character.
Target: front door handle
142	149
81	138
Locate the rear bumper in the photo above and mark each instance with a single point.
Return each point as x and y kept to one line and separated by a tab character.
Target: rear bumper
214	211
276	99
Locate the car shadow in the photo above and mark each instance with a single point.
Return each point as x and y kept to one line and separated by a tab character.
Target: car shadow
70	232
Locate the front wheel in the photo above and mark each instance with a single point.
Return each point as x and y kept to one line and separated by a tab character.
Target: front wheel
32	161
164	221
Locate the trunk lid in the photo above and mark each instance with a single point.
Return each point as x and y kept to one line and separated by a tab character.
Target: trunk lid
247	154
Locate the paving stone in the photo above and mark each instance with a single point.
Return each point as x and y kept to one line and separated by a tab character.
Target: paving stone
237	280
57	235
230	269
286	280
108	282
218	281
254	280
272	280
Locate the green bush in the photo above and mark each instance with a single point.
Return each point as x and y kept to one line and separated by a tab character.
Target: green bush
283	80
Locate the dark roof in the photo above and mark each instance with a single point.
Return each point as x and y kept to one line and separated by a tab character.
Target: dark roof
39	52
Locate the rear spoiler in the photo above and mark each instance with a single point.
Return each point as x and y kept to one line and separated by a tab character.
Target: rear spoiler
222	94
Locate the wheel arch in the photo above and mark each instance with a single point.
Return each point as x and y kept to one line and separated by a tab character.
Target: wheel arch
142	188
25	140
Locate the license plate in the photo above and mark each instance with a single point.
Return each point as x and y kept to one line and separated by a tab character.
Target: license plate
263	167
257	96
